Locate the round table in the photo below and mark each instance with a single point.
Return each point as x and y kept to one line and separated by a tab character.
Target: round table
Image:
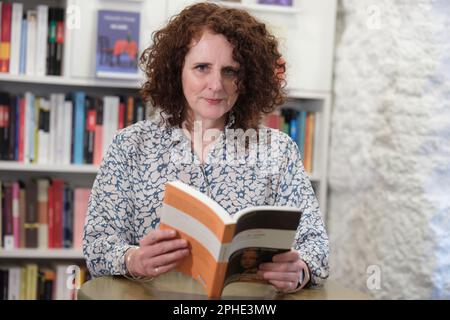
177	286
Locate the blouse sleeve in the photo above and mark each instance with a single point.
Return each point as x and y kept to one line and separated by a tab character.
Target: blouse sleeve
107	232
295	190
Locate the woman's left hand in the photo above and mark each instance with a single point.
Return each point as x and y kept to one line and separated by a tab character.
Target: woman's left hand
284	271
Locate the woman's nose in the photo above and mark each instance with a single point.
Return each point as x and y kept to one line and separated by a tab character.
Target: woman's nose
215	81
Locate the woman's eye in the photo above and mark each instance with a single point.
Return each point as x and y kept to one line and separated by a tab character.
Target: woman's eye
230	72
201	67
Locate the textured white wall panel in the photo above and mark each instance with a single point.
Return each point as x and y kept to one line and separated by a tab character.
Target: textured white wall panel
389	164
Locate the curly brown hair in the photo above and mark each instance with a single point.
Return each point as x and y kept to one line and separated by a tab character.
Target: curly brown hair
260	81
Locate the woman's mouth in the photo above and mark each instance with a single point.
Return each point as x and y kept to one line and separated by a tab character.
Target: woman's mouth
213	101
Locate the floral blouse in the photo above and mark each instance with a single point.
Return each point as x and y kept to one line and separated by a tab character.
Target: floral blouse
127	194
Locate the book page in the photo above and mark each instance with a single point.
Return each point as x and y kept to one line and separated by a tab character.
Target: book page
261	233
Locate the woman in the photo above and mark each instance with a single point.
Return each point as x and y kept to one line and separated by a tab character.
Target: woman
209	71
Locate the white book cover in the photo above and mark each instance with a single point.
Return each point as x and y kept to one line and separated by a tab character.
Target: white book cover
41	40
52	128
30	68
67	134
110	119
29	127
59	141
16	31
14	278
43	152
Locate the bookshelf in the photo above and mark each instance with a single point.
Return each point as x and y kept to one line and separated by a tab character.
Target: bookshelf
71	254
61	81
309	85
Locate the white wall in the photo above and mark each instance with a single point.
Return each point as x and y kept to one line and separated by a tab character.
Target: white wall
389	164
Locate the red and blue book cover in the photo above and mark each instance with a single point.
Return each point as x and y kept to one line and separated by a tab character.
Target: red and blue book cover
117	53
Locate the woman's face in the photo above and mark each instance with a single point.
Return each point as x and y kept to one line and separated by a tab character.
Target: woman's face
248	259
209	78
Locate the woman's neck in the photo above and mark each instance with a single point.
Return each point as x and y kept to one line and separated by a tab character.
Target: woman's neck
202	134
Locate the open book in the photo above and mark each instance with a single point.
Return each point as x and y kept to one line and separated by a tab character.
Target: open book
224	248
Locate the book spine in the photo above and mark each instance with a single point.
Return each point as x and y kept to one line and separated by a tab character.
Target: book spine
130	111
51	216
21	129
5	41
16	214
8	232
80	204
79	127
51	42
42	206
16	37
22	215
122	109
58	211
17	125
4	124
12	128
31	222
23	46
67	131
90	131
98	143
59	40
68	220
41	40
110	120
35	150
31	42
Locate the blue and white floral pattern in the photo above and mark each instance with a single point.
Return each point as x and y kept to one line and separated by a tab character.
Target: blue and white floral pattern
127	194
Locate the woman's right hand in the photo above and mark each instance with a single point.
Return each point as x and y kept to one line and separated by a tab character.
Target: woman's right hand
159	252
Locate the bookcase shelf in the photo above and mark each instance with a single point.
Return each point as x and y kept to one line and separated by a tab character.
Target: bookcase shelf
22	167
42	254
66	81
13	166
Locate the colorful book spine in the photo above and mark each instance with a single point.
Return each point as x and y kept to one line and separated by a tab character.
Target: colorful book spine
23	46
89	141
59	41
4	124
5	41
98	144
16	213
79	127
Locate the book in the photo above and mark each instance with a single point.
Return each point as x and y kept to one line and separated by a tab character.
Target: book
224	249
117	51
287	3
5	36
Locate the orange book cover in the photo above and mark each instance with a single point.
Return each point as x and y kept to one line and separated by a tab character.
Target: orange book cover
224	249
309	140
